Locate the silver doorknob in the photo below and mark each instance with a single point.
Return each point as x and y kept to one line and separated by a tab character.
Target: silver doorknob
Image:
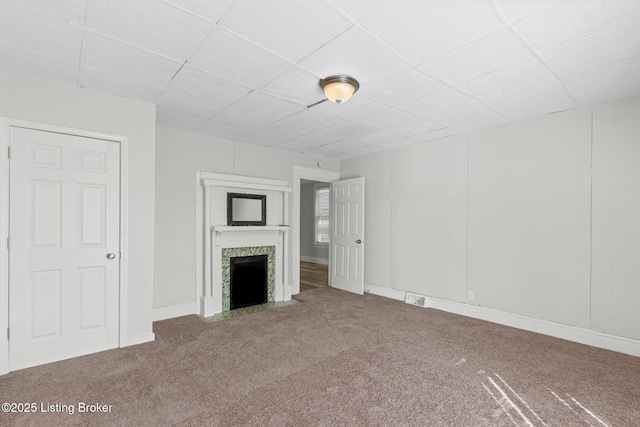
358	241
111	256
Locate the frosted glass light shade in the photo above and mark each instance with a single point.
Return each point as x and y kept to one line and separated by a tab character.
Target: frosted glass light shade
339	88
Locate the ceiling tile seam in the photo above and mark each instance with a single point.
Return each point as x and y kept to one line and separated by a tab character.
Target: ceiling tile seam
499	113
223	28
544	63
320	47
499	12
48	16
637	18
193	98
568	76
340	12
37	53
83	52
195	14
159	55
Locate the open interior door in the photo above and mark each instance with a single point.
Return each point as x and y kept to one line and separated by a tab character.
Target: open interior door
347	235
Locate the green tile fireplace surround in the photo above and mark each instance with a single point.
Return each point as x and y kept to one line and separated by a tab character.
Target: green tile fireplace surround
228	253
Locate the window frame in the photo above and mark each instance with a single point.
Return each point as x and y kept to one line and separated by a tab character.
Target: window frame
317	188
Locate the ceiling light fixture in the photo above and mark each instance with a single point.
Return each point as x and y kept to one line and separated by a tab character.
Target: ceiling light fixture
339	88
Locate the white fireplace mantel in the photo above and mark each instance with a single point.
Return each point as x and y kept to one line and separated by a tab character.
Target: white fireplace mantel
217	237
240	229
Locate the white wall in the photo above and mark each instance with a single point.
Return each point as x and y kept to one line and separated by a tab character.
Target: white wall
615	277
28	98
516	215
307	219
179	155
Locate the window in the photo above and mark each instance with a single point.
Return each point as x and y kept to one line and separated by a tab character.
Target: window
321	223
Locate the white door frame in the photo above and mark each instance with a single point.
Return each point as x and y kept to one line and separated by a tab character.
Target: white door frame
312	174
5	125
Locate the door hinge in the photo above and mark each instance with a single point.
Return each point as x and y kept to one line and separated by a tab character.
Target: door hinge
8	152
7	333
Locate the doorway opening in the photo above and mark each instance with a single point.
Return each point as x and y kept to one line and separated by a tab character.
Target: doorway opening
314	234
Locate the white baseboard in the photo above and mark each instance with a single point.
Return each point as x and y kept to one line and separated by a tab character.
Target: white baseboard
140	339
558	330
314	260
383	291
172	311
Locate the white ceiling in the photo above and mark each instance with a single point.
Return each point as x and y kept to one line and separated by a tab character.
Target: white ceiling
247	69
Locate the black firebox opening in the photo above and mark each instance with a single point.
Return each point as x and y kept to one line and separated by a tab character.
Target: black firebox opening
248	277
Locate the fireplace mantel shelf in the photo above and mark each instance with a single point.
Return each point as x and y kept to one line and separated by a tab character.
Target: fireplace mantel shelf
224	228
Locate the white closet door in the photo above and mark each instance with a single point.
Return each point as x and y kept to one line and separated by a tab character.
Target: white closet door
64	256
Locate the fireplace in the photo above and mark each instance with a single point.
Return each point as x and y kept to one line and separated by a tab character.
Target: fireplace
248	281
249	273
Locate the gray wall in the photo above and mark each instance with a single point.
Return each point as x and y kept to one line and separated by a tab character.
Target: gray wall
44	101
308	251
179	155
538	218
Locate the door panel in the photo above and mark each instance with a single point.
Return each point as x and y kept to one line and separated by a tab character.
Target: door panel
347	235
64	218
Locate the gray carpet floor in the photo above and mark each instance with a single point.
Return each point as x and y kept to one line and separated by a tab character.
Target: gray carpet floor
337	359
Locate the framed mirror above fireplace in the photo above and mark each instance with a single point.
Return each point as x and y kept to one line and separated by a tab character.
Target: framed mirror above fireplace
246	209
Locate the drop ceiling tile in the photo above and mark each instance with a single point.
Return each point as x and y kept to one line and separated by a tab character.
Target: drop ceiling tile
37	65
613	75
421	125
314	139
508	80
199	84
266	106
281	131
310	120
117	86
296	85
514	10
222	131
172	120
72	11
120	59
420	30
233	58
359	10
260	139
533	101
349	130
212	11
611	46
357	54
608	94
297	145
347	145
401	87
324	150
380	138
240	120
289	28
387	118
567	22
436	134
187	106
493	52
466	115
150	24
438	102
33	32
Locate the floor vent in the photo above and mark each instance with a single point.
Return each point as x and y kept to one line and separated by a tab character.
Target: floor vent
415	299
